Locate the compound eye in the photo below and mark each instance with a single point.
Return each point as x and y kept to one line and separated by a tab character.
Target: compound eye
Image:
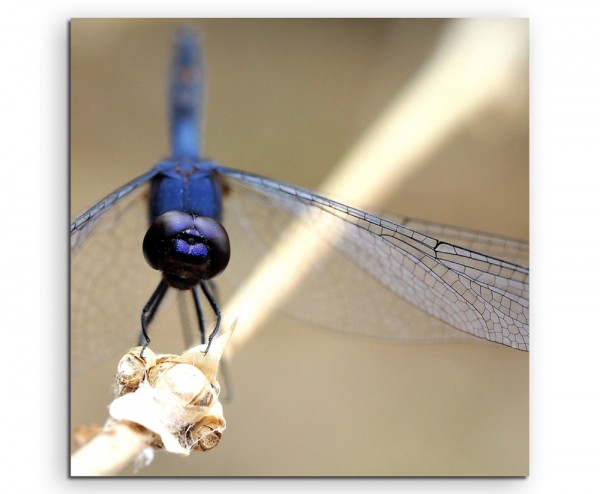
186	248
217	241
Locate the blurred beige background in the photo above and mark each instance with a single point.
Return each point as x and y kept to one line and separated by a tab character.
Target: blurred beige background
286	99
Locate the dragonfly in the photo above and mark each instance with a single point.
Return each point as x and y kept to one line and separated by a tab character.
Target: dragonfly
202	226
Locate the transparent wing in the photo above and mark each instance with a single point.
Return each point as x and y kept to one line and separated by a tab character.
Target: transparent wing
378	277
381	277
85	223
110	281
507	249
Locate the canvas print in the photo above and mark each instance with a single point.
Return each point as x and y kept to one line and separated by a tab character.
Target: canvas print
299	247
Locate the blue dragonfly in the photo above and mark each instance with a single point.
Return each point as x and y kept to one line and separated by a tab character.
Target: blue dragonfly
205	221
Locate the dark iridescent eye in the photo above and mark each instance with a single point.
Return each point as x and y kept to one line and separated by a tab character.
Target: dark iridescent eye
186	248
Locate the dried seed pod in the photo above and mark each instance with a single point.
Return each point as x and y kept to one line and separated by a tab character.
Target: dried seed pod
131	369
206	434
173	397
162	364
185	382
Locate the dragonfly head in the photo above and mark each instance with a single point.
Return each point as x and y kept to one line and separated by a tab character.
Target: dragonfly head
186	248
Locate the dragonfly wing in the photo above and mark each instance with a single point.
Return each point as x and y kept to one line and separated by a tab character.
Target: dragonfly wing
375	276
110	280
380	277
85	223
507	249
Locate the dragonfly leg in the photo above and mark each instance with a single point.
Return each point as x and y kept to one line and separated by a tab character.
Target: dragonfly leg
212	286
199	313
149	311
216	310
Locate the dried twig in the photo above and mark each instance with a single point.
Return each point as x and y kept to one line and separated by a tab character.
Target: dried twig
164	401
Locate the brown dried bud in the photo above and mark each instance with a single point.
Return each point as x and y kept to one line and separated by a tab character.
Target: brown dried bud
172	397
186	382
130	370
207	433
156	371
